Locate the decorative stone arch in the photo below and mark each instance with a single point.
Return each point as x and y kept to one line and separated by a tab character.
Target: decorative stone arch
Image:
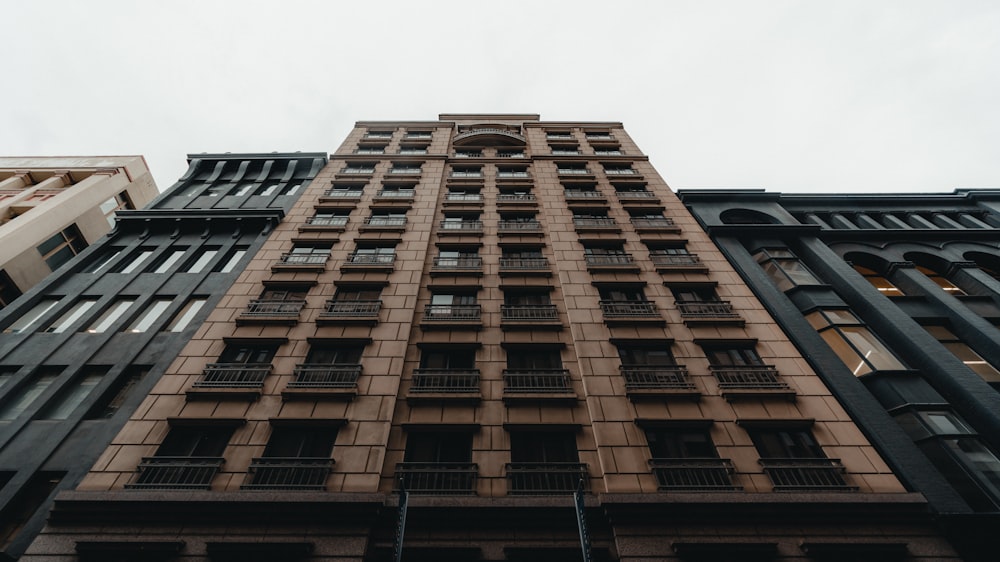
746	216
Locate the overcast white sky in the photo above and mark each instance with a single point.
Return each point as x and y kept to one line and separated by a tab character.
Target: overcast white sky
794	96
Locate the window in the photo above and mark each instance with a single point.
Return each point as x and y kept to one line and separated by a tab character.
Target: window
512	172
149	315
622	294
543	447
246	354
243	189
134	261
371	149
467	172
413	149
558	135
527	359
463	194
185	315
397	191
638	355
18	400
464	258
188	458
355	294
851	340
619	170
173	257
608	151
230	262
784	268
386	219
297	457
879	282
202	259
328	218
598	135
346	191
452	359
301	442
438	447
102	261
565	150
418	135
793	460
461	222
268	189
533	369
111	315
118	393
291	188
74	393
734	357
452	307
965	354
544	462
32	316
71	316
680	443
358	168
306	255
328	354
61	247
195	442
941	281
384	255
569	169
405	169
378	135
786	444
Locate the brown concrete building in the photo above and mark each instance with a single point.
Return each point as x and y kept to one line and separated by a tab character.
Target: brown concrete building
489	311
78	197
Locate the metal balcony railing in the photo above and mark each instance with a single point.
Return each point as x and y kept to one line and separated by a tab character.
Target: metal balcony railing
470	263
396	194
417	136
476	197
608	152
466	174
304	259
488	131
620	171
283	308
385	222
593	136
583	194
529	312
315	375
573	171
378	135
638	377
176	473
502	154
651	223
404	171
371	259
413	151
805	474
635	194
237	375
629	309
609	259
288	473
508	264
468	155
558	136
327	221
515	197
357	171
675	260
519	226
438	478
706	309
565	152
595	222
503	175
343	193
693	474
747	377
536	380
352	309
452	312
464	225
445	380
545	478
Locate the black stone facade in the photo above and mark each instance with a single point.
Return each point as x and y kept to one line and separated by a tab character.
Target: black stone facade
900	238
67	391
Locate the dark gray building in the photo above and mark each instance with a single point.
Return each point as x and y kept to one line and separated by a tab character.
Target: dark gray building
895	302
81	350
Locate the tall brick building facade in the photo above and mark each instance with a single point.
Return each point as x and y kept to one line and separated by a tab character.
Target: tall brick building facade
489	312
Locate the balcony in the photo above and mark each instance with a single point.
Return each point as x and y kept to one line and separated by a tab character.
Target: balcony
464	198
350	311
584	195
675	262
536	381
559	136
635	195
610	261
369	262
619	312
466	174
445	381
234	375
461	227
336	222
351	171
343	195
468	264
176	473
620	172
288	473
468	154
658	382
708	312
573	172
384	223
702	474
438	478
317	375
752	380
463	314
811	474
506	226
293	261
524	265
529	313
516	198
510	154
405	171
603	224
645	224
513	175
396	194
545	478
271	312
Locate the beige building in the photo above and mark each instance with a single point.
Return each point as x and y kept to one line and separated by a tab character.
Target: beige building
69	201
490	311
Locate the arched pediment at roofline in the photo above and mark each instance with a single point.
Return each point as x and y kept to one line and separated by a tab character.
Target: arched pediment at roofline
488	134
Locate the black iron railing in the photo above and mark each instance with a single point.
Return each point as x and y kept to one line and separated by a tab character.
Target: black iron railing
523	263
609	259
519	226
639	377
466	263
706	309
463	225
693	474
176	473
452	312
243	375
629	309
545	478
438	478
371	259
650	223
805	474
529	312
352	309
327	221
536	380
284	308
445	380
316	375
515	197
595	222
747	377
305	259
288	473
674	260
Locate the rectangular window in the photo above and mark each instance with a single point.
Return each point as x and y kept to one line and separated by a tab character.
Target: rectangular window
71	316
186	441
543	447
110	316
301	442
455	358
184	317
135	261
853	342
678	443
291	188
784	268
149	316
965	354
230	263
102	261
118	393
201	262
173	257
449	447
32	316
268	189
8	290
786	444
61	247
19	400
74	393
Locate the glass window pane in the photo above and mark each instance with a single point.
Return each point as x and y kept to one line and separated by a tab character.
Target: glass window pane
79	389
203	259
186	315
173	258
872	349
71	316
25	396
137	260
846	353
234	259
110	316
149	316
32	316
